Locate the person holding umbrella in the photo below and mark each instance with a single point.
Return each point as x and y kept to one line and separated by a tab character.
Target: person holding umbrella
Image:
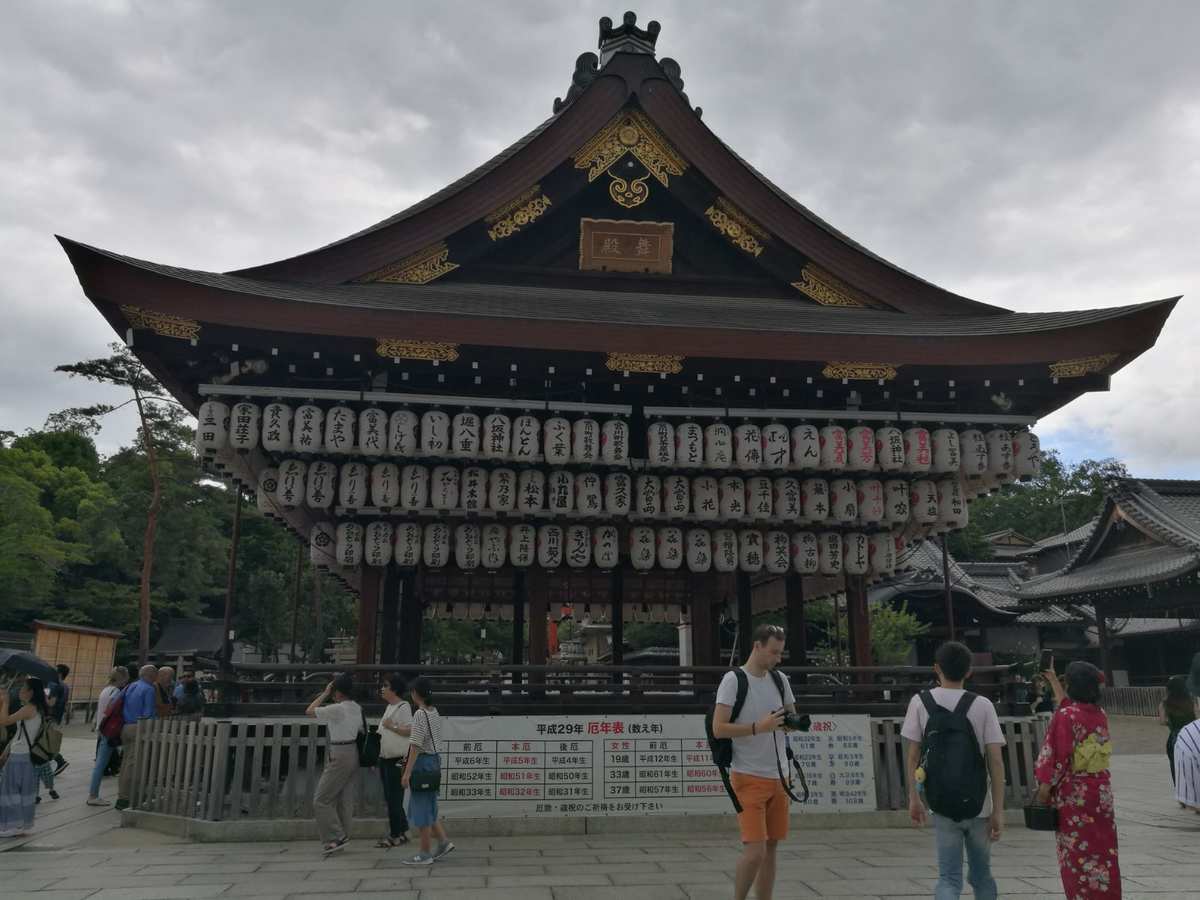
18	778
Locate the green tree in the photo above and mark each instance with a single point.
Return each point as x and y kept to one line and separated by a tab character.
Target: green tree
894	630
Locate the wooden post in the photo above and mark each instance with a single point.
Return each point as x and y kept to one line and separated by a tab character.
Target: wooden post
318	626
520	598
745	617
617	598
701	614
411	620
946	587
231	581
296	598
797	637
370	583
390	612
858	620
1102	638
537	590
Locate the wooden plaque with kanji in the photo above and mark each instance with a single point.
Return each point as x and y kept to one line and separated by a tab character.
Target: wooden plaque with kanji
612	245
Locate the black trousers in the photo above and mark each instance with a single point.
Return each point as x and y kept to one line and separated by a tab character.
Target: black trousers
391	771
1171	753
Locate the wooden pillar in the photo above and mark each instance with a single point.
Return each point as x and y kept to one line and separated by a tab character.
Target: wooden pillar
1102	638
538	606
389	623
520	598
745	617
797	637
300	548
411	619
858	620
231	581
949	594
616	593
701	614
317	613
370	583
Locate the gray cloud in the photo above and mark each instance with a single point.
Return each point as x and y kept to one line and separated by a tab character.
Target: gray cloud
1039	156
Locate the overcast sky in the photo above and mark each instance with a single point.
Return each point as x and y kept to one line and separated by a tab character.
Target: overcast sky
1038	156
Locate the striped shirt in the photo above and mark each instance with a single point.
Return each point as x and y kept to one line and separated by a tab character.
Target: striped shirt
427	731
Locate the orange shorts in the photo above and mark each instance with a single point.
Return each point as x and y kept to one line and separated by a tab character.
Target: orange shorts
764	815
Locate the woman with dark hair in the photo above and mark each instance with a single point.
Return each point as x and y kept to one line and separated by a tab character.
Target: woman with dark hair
395	727
18	776
1072	772
333	802
422	772
1176	712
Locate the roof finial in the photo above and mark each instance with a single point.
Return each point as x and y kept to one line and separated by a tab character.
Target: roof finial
627	38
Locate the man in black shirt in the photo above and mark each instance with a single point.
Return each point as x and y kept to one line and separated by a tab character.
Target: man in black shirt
60	697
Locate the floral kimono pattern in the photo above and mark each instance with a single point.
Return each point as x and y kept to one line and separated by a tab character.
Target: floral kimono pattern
1074	761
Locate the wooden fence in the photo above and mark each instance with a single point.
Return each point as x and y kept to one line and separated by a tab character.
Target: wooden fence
1132	701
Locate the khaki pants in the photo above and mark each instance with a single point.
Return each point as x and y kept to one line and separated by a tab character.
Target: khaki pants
333	803
128	760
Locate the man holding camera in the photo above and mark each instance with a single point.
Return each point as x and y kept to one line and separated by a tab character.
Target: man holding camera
759	758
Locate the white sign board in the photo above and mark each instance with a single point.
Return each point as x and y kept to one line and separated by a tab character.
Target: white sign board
630	765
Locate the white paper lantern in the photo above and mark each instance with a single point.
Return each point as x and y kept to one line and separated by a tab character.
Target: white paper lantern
670	548
531	491
550	546
918	453
585	441
699	550
322	544
308	429
952	503
377	544
689	445
614	442
777	552
776	446
244	420
1000	452
526	439
814	495
277	428
705	498
266	499
923	502
385	485
642	550
443	488
789	505
750	550
725	550
833	448
718	446
856	552
747	446
473	491
648	496
871	501
588	494
435	433
292	483
407	544
495	546
339	429
212	426
947	454
606	546
889	449
497	436
320	485
618	494
760	498
806	556
560	492
502	490
677	496
660	444
829	547
860	449
353	485
556	440
436	545
467	546
882	553
843	500
973	449
806	447
731	494
402	433
464	435
349	544
897	502
414	488
372	431
522	545
1027	454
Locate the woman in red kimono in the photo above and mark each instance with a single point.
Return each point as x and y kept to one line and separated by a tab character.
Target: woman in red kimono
1072	772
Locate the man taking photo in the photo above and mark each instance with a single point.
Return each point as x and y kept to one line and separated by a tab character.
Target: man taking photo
759	758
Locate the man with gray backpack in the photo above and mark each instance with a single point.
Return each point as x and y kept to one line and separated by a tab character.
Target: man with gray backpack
954	760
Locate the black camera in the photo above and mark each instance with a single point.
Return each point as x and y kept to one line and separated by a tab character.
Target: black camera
797	722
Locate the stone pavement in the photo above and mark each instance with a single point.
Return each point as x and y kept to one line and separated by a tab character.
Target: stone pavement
99	861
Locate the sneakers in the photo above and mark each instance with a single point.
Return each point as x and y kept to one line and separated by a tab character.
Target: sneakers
61	766
421	859
443	849
54	795
96	801
121	804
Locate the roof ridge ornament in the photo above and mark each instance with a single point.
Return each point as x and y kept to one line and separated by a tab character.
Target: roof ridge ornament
627	37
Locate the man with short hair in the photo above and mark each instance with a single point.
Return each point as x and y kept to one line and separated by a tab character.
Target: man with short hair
759	758
59	700
165	703
953	667
140	704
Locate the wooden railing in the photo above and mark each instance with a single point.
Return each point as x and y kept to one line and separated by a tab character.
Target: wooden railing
1132	701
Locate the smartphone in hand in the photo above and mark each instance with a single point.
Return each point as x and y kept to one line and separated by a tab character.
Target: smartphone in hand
1047	661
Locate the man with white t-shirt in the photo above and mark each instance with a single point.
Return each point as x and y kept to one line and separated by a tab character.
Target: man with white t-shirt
759	756
977	832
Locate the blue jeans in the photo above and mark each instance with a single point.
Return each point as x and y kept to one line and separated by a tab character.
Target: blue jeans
103	754
951	838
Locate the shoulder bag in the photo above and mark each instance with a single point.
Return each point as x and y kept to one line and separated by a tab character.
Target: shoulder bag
368	744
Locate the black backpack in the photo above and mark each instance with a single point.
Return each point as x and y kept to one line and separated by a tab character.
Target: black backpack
956	779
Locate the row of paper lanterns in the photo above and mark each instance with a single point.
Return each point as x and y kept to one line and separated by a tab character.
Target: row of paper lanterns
310	429
471	546
413	488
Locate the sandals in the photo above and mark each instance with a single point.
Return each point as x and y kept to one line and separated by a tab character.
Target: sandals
334	846
387	843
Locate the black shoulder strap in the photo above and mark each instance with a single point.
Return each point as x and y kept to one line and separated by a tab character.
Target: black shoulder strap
743	690
931	705
429	725
964	703
777	677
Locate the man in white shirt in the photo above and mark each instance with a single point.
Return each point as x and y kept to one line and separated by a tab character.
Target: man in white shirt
333	802
953	667
759	756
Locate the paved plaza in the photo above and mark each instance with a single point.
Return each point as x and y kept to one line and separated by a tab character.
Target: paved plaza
101	860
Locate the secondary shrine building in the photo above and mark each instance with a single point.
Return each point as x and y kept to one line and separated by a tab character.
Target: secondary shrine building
614	366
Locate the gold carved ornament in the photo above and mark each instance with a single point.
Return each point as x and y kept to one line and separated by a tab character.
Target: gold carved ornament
628	193
399	348
827	289
648	363
631	133
514	215
737	227
859	371
1084	365
421	267
161	323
